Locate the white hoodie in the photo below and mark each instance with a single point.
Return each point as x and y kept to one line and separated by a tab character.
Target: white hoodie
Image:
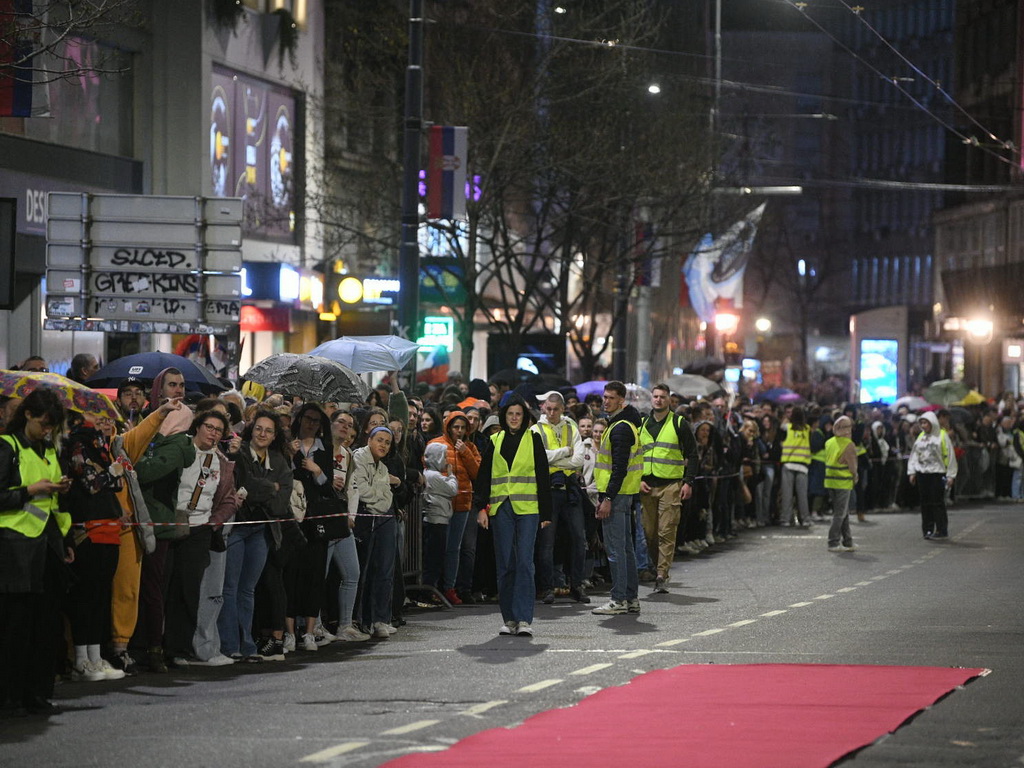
439	488
568	458
928	455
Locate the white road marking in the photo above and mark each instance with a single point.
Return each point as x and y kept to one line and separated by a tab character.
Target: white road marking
775	613
588	690
326	755
824	597
538	686
707	632
591	669
743	623
879	577
800	605
864	583
670	643
479	709
847	589
419	725
635	654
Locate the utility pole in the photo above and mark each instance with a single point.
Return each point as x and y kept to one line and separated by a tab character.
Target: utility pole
409	252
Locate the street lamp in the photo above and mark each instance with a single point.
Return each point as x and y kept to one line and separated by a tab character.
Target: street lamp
762	325
726	322
979	330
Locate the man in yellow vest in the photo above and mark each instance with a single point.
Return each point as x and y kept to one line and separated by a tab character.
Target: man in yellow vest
667	444
617	474
564	448
840	479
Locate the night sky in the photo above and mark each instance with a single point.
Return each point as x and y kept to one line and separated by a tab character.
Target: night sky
768	15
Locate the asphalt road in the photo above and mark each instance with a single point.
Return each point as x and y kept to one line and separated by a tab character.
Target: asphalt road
771	596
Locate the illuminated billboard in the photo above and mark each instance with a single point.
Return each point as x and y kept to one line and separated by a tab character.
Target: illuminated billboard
878	368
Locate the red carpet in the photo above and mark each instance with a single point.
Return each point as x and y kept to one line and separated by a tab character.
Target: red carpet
720	716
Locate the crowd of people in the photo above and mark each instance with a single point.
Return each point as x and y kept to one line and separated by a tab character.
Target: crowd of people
239	528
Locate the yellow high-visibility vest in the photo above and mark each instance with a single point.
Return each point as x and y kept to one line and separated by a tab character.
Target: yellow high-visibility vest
603	464
661	454
837	474
796	448
31	520
517	483
553	440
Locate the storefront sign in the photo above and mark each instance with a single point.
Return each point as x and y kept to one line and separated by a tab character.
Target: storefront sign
381	291
438	331
266	319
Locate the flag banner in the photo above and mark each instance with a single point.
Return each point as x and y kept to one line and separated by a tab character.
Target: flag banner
715	268
446	172
24	91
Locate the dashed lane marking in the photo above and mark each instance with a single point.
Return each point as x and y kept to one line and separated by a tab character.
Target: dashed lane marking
419	725
879	577
591	669
479	709
863	584
800	605
326	755
635	654
847	589
707	632
538	686
743	623
670	643
774	613
824	597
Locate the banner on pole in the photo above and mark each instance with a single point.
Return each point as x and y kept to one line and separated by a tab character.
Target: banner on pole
446	172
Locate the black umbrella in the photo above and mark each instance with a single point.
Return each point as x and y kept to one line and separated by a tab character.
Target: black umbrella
514	376
703	366
146	365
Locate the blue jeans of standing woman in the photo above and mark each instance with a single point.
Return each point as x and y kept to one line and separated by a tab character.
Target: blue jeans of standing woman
456	527
618	541
514	539
246	556
377	537
342	552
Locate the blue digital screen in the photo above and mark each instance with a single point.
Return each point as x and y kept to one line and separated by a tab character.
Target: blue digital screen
879	366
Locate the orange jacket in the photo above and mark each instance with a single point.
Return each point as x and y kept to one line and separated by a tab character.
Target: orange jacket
465	463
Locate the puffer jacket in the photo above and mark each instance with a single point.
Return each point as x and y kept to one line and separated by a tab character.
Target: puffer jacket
465	463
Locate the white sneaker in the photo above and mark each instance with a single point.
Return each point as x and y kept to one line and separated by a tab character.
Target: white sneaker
850	548
508	628
633	606
836	548
309	642
109	672
220	660
612	608
524	628
380	631
88	671
352	635
323	637
289	642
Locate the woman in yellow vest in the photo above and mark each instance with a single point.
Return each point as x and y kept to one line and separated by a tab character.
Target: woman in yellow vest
840	479
513	494
32	554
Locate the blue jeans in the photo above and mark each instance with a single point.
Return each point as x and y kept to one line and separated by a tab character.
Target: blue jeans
565	510
643	561
342	552
514	539
246	556
377	534
467	557
618	541
1016	491
456	527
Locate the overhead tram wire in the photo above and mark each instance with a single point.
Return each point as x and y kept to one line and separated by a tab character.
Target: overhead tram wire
970	140
1008	145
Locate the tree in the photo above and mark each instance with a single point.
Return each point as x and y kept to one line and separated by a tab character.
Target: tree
35	37
567	151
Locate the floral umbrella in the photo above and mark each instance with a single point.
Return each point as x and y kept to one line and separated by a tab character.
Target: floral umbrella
73	396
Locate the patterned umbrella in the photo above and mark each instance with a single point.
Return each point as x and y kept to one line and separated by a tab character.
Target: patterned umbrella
692	385
945	392
369	354
73	396
312	378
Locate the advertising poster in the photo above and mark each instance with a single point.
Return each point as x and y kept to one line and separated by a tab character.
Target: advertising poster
878	365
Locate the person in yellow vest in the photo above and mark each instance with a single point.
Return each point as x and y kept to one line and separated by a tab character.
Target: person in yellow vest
840	479
796	464
34	551
564	448
932	467
617	473
668	447
513	495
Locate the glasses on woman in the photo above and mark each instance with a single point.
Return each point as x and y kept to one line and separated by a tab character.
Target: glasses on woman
263	430
213	428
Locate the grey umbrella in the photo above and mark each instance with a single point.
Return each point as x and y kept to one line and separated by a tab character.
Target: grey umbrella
692	385
312	378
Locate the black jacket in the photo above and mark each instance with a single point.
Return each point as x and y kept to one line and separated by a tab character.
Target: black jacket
262	502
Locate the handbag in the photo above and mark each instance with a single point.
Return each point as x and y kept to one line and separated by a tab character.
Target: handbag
325	518
217	542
